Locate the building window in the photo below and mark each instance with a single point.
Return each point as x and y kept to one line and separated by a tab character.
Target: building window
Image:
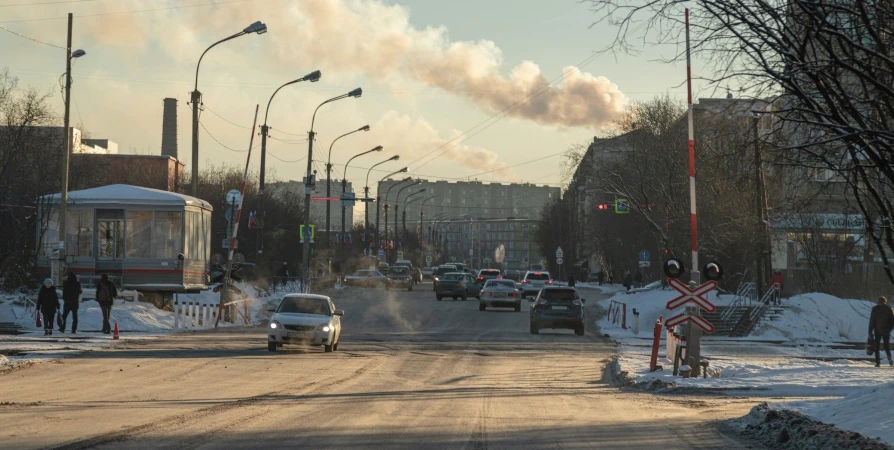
166	234
823	175
79	234
139	234
111	238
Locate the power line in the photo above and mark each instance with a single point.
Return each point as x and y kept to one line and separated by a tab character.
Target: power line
46	3
137	11
221	143
204	106
30	38
283	160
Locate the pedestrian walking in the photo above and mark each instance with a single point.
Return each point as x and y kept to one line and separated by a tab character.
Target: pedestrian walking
611	277
628	280
601	277
881	322
71	297
105	296
571	280
48	304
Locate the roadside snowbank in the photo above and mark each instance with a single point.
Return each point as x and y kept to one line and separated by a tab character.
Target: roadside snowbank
864	411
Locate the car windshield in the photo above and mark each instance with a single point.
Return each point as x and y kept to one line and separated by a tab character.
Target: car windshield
499	283
453	276
490	273
558	294
399	270
304	305
445	269
362	273
538	276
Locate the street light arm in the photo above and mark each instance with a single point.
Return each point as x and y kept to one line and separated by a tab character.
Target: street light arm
196	88
274	95
314	118
329	158
407	200
393	158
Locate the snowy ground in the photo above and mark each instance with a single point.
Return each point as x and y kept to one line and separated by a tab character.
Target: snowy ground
813	353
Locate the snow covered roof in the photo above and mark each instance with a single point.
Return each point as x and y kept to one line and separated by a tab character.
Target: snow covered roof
129	194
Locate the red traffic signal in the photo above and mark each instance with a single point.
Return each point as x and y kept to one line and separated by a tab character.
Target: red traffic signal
602	206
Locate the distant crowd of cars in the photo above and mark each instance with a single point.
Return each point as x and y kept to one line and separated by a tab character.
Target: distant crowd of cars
313	319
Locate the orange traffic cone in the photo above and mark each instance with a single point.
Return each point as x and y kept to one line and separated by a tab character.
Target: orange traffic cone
115	336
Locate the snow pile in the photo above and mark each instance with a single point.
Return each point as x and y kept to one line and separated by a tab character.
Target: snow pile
650	305
819	317
865	411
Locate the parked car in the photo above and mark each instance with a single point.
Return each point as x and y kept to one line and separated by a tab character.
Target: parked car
365	278
305	319
442	269
457	285
558	307
399	277
427	273
532	282
499	294
487	274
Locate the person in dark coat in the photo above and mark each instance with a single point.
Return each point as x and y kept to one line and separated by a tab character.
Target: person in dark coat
611	277
628	280
571	280
48	304
881	322
71	296
105	296
601	277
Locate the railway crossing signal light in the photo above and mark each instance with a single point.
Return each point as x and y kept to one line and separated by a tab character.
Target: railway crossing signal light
674	268
713	271
603	206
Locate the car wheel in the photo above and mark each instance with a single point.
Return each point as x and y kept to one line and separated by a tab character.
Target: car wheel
327	348
579	331
335	347
465	295
523	295
271	346
410	288
454	298
534	329
518	307
439	298
482	307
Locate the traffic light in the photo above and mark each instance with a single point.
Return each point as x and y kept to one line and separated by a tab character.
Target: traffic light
217	275
713	271
234	274
674	268
603	206
666	251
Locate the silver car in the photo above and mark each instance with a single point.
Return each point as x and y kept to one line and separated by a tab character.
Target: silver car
500	294
305	319
534	281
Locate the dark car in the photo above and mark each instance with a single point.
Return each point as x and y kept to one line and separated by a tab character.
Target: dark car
458	285
487	274
399	277
558	307
442	269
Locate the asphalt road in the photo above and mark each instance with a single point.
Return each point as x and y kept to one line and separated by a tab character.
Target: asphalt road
410	373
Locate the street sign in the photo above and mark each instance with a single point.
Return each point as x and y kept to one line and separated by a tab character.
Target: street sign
560	253
347	198
233	196
543	262
428	259
304	233
644	255
694	295
226	244
453	259
400	254
487	260
645	263
698	321
622	206
560	261
381	253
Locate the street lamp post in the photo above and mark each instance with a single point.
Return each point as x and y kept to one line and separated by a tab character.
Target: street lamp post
366	198
313	77
397	205
196	98
407	201
422	214
309	185
329	177
344	186
387	193
66	153
379	199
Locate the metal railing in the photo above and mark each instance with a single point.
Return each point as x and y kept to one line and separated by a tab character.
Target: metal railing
762	306
743	295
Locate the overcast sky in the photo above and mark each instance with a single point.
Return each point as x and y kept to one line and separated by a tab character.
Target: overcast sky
430	71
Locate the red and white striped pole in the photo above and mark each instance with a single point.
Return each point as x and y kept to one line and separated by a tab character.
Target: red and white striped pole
236	222
692	216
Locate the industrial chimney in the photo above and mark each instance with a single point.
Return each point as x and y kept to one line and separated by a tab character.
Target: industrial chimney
169	129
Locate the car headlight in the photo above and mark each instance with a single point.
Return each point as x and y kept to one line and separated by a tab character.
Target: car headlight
275	325
325	327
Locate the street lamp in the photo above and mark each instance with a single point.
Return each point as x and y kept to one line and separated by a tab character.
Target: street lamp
329	176
344	187
309	183
63	195
406	202
313	77
422	214
379	200
196	98
366	198
388	192
397	202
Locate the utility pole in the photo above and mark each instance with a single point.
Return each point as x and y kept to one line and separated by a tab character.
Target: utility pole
66	156
195	97
308	186
365	209
763	253
261	193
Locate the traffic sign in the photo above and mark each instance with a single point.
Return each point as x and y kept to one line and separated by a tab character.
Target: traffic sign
543	262
226	244
645	263
622	206
381	253
691	295
400	254
304	233
233	196
453	259
428	259
644	255
347	198
559	261
560	253
698	321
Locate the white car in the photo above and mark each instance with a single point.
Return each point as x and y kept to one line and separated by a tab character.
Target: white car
533	282
305	319
501	294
